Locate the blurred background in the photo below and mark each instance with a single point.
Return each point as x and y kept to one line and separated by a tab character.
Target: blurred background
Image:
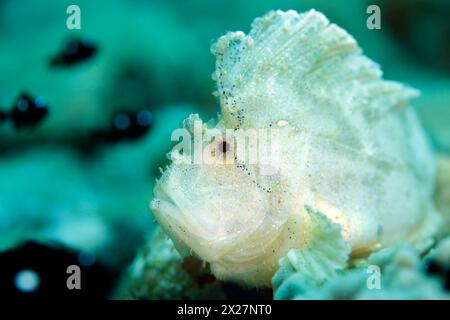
86	116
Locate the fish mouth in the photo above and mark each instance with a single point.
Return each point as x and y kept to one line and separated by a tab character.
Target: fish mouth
218	218
194	232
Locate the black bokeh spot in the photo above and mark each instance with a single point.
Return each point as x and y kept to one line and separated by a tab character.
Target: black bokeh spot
74	51
28	111
434	268
50	263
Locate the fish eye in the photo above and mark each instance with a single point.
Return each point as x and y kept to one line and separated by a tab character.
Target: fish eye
222	148
225	146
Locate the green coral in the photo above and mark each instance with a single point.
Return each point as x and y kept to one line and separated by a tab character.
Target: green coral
441	254
402	277
442	191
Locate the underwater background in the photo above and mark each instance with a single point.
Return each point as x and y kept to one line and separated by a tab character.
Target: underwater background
86	118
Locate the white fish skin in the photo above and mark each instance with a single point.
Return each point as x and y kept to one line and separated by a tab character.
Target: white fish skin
351	147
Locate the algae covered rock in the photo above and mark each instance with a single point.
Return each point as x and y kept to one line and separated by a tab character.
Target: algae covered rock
159	272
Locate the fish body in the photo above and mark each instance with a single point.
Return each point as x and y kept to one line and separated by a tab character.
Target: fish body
338	139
